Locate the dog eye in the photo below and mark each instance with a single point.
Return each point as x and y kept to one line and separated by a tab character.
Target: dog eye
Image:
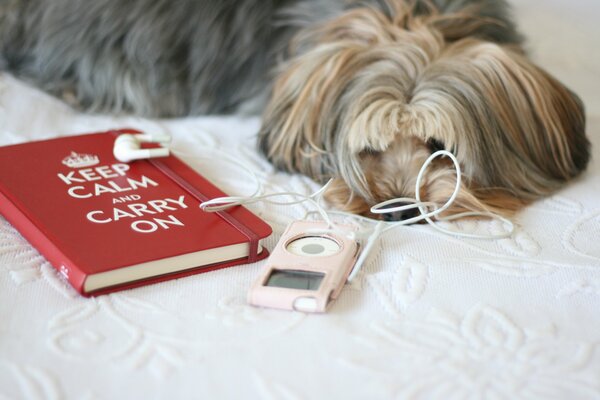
435	145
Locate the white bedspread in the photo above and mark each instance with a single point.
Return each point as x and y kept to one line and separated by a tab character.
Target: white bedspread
431	317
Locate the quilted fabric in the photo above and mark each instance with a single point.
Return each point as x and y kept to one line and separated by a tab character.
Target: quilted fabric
430	317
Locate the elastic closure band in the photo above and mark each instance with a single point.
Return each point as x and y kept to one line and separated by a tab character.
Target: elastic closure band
252	236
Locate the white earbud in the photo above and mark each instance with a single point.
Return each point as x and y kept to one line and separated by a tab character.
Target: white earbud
128	147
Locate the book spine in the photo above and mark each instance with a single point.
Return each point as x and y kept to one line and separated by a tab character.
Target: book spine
30	231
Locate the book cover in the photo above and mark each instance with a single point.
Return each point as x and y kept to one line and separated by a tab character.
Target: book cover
107	225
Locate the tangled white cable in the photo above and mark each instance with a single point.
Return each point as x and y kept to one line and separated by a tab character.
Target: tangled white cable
223	203
428	210
383	208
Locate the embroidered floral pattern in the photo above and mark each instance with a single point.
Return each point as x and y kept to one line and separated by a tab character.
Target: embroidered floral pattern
137	334
483	355
402	287
581	238
27	382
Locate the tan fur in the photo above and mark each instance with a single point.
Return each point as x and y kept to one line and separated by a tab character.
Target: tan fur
363	102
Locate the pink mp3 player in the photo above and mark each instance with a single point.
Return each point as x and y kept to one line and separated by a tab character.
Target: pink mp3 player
307	269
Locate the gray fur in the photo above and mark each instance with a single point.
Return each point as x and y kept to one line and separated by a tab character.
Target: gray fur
171	58
149	57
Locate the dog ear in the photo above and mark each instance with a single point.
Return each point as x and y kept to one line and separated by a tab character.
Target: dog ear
297	113
513	125
541	121
320	118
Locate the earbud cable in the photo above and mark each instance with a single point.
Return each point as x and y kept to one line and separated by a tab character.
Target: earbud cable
429	211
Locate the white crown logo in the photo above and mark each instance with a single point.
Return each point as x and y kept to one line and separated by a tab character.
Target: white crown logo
80	160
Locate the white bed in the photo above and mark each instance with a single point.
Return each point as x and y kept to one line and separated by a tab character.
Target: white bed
431	317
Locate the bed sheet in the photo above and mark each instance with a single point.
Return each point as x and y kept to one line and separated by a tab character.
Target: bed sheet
431	316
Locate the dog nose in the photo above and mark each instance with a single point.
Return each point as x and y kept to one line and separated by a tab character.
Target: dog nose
400	215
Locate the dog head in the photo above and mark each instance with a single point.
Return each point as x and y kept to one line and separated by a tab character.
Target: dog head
371	94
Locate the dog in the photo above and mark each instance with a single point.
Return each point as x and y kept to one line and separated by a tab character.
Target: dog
361	92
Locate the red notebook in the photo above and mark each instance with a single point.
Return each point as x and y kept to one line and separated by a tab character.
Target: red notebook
106	225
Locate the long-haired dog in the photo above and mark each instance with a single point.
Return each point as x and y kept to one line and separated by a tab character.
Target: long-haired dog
358	91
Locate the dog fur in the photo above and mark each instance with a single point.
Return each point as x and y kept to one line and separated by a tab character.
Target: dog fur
358	91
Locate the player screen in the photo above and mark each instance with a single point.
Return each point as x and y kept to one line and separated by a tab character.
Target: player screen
294	279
